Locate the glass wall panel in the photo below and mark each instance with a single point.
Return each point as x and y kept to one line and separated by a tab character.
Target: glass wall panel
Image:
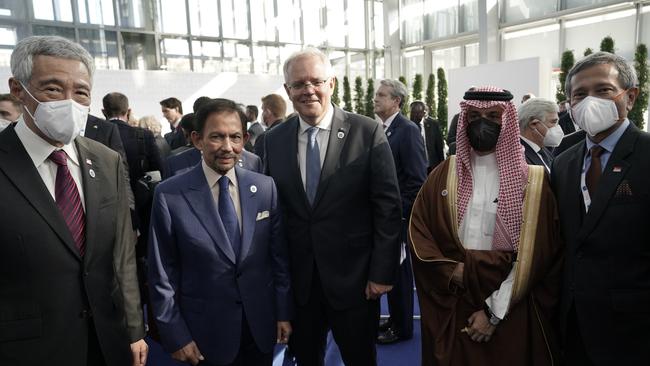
204	18
357	68
289	20
46	30
379	24
102	45
175	54
578	3
469	16
471	54
336	29
440	19
447	58
237	57
535	42
96	12
7	36
139	51
266	60
234	15
53	10
356	24
263	20
379	67
172	17
588	32
12	8
413	64
337	58
136	13
207	56
517	10
411	20
312	12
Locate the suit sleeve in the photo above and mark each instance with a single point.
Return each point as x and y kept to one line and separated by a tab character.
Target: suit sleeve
124	261
386	209
414	167
280	257
164	277
115	143
438	143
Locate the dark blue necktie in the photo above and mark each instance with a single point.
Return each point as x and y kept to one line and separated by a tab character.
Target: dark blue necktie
229	215
312	165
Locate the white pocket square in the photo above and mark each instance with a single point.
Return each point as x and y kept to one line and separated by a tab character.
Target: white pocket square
262	215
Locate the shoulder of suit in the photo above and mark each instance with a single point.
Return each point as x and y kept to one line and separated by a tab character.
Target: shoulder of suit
97	148
566	154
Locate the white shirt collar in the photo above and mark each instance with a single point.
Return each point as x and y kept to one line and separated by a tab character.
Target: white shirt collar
389	120
38	149
535	147
213	177
324	124
488	161
177	122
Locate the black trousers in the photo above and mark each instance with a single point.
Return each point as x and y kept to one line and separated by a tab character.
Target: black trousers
575	353
354	330
400	300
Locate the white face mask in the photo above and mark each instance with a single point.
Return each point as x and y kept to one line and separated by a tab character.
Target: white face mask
554	136
4	123
595	115
60	120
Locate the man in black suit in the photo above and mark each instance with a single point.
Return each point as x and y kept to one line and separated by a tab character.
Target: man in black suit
538	130
274	109
408	151
67	264
430	131
339	193
566	123
255	129
602	186
172	110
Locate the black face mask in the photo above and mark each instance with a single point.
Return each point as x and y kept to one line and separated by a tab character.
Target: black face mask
483	134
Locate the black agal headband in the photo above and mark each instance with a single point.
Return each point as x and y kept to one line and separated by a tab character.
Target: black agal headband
503	96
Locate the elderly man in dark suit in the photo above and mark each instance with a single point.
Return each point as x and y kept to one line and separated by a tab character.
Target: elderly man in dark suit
67	264
602	186
339	192
539	130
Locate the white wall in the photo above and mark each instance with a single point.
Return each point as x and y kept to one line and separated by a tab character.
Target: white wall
145	89
530	75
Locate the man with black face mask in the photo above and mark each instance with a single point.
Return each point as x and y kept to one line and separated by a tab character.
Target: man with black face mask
485	243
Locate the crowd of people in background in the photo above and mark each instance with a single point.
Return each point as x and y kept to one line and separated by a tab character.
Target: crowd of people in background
523	230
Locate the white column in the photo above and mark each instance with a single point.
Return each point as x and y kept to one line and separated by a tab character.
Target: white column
488	31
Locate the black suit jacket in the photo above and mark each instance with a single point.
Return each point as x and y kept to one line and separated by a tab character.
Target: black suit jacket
48	292
351	234
566	123
258	148
607	268
451	134
175	138
569	141
434	143
532	158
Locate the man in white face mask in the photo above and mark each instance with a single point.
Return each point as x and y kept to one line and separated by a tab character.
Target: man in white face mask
539	130
602	186
68	273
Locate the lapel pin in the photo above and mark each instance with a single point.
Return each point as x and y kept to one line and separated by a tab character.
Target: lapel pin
253	189
95	127
91	173
617	169
241	164
89	162
444	193
340	135
389	133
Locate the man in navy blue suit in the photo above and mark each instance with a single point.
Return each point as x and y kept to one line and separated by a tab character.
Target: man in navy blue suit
218	257
407	146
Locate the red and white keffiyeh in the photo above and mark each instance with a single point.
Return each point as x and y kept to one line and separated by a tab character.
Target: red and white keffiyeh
513	171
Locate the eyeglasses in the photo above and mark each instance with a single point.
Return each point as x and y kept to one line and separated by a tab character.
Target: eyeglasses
299	85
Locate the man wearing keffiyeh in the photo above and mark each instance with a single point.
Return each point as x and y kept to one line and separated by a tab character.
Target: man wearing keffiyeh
486	246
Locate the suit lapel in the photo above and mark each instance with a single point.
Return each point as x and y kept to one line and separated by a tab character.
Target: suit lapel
91	187
334	146
91	130
248	202
531	155
200	200
610	180
19	168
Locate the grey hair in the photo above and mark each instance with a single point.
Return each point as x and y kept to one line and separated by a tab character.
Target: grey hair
151	123
626	74
534	108
398	89
22	58
309	51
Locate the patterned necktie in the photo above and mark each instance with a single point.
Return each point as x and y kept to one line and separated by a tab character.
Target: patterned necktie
67	198
313	165
229	215
595	170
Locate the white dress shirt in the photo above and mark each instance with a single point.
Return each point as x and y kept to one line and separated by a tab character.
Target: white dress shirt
536	149
39	151
322	137
477	227
233	188
388	120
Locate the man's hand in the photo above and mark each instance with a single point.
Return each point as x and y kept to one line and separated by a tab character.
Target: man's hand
457	276
139	350
284	331
479	328
374	290
189	354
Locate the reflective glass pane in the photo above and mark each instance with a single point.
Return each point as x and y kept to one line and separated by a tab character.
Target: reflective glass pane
470	16
336	29
357	24
234	15
289	20
577	3
172	17
337	58
447	58
139	51
46	30
237	57
263	20
313	12
204	18
12	8
207	56
96	12
471	54
379	24
266	60
7	36
136	13
411	19
414	64
102	45
174	53
53	10
534	42
517	10
441	18
589	32
358	68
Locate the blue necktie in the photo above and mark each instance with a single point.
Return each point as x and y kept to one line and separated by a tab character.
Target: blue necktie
229	215
312	165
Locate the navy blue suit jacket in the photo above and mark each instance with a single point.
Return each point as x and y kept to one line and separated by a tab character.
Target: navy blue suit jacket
177	164
407	146
199	290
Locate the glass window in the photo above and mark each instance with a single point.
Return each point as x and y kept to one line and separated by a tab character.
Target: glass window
204	18
312	12
535	42
337	58
589	32
471	54
413	64
379	66
289	20
136	13
357	24
286	52
441	18
447	58
470	15
357	67
411	18
172	17
266	60
12	8
379	24
175	54
96	12
139	51
234	15
237	57
335	23
53	10
102	45
263	20
578	3
5	57
207	56
46	30
517	10
7	36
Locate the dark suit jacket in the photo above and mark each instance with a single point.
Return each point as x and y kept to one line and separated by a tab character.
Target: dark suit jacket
566	123
258	149
569	141
48	290
451	134
175	138
184	161
200	290
531	156
434	143
607	269
407	148
351	233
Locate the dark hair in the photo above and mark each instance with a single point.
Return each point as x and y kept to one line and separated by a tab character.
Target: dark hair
172	103
252	109
10	98
115	104
199	102
626	74
218	105
188	122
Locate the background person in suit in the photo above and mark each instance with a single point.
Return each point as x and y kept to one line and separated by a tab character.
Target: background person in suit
430	131
152	124
539	130
256	128
339	193
172	110
408	152
10	109
218	254
274	109
602	188
67	263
